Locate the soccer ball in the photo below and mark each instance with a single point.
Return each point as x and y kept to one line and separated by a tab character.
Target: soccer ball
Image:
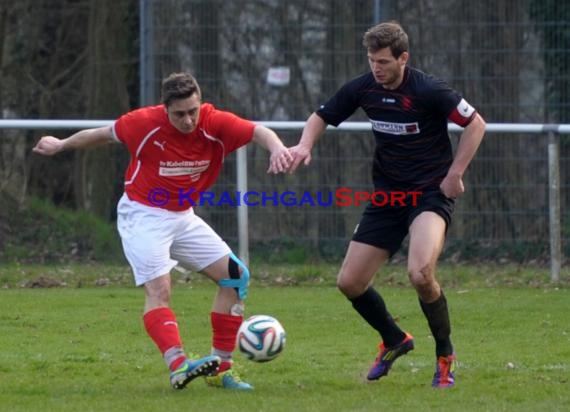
261	338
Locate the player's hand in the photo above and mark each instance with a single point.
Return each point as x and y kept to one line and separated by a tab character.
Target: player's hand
299	154
279	160
48	146
452	186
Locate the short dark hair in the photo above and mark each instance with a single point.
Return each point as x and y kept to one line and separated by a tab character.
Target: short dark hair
179	86
383	35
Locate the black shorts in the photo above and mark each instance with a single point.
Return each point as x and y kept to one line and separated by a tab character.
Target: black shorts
386	226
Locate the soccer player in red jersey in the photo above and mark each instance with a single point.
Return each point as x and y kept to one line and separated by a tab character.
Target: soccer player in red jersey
177	150
409	111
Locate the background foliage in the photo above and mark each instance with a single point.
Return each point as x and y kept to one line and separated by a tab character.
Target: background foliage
80	59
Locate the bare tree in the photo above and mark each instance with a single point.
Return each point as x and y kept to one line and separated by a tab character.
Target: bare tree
106	95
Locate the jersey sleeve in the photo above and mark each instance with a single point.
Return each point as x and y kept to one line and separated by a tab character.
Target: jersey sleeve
451	104
122	126
462	114
231	129
129	128
341	105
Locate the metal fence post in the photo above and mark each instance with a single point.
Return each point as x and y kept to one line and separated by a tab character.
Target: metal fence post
242	217
146	54
554	205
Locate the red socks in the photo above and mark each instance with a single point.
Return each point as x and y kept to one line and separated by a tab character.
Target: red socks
225	328
161	326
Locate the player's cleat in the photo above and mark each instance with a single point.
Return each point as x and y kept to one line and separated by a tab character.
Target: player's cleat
387	356
444	372
228	379
191	369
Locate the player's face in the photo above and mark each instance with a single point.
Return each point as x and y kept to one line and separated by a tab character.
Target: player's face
183	114
387	70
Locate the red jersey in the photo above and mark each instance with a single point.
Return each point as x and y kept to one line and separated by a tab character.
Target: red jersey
168	168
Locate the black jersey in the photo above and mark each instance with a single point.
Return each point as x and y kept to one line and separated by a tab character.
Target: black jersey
413	150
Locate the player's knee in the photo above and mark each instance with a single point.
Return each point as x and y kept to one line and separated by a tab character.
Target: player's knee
234	269
425	283
342	285
348	287
421	275
238	276
158	292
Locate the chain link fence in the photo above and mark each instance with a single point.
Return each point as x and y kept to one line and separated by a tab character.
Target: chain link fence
274	60
271	60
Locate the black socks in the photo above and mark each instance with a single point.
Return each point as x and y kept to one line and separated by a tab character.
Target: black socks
437	316
372	308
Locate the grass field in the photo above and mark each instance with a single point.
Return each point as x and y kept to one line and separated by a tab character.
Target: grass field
81	347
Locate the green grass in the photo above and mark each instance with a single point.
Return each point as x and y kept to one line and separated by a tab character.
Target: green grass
76	275
84	348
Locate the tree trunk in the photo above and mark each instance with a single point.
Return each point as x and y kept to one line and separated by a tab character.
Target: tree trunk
107	97
13	174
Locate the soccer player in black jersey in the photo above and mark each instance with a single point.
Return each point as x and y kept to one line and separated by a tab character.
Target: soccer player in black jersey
409	111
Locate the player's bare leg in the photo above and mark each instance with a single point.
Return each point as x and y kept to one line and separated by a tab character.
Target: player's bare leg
160	323
354	280
427	236
232	276
359	266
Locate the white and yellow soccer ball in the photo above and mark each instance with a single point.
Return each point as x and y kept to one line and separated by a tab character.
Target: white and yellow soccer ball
261	338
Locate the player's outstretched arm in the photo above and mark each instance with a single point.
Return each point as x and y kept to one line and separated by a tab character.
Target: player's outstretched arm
50	145
314	128
280	158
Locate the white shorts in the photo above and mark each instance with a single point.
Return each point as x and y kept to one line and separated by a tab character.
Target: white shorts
156	240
